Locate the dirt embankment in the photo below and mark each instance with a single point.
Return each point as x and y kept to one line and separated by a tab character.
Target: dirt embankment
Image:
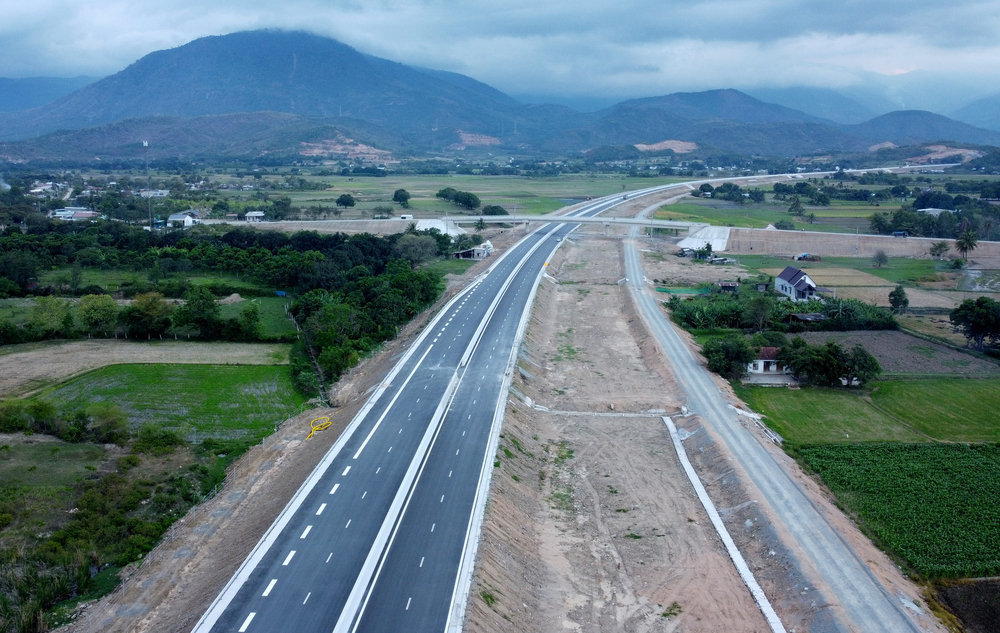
592	525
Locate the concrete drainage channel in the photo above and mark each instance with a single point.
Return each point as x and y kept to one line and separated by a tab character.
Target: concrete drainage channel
734	553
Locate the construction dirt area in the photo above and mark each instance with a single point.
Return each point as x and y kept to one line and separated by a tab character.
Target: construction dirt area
592	524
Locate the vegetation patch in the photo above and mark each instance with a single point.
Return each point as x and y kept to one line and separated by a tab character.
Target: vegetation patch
197	401
935	507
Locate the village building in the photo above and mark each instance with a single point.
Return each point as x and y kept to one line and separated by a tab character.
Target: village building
795	284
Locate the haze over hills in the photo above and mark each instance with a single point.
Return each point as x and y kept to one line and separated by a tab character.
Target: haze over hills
983	112
31	92
823	103
321	86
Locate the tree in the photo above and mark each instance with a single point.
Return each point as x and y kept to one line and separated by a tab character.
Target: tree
966	242
98	313
978	319
467	200
860	367
248	325
706	188
880	259
346	200
494	209
757	313
796	207
149	315
938	249
51	317
416	249
705	252
756	196
898	300
402	196
201	311
728	356
785	225
480	225
448	193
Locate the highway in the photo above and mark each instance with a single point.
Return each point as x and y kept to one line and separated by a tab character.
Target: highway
863	598
380	536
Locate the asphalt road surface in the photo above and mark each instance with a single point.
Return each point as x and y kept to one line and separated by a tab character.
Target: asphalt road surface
866	602
374	539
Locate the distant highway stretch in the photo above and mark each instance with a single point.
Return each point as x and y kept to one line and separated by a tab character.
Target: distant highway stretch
382	535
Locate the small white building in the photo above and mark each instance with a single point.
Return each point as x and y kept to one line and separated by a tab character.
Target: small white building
254	216
767	363
795	284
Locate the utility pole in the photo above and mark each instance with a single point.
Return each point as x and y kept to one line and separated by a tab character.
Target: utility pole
149	192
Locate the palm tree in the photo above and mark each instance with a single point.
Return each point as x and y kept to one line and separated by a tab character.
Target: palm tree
966	242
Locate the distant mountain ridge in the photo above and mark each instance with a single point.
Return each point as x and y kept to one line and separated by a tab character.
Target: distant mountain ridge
322	84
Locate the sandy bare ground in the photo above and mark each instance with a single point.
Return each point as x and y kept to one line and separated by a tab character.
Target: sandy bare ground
26	368
760	242
611	538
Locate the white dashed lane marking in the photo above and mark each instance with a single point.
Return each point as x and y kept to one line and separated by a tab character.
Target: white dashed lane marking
306	533
270	586
335	486
322	507
249	619
288	558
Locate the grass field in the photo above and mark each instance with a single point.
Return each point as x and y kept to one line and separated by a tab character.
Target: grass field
899	269
834	218
272	315
947	409
816	415
112	279
449	266
199	401
525	195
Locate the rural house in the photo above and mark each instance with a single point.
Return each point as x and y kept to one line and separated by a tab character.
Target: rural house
795	284
767	363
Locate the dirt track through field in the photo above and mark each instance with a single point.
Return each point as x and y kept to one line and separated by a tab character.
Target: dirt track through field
26	368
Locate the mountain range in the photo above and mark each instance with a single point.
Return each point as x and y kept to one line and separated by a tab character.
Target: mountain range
257	92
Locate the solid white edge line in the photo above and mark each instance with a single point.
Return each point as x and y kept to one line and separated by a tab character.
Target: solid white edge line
734	553
221	602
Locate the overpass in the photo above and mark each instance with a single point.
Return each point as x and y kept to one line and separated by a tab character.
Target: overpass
675	225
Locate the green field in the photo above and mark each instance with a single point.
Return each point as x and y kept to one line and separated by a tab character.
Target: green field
899	269
950	410
514	193
272	315
816	415
943	409
112	279
936	507
449	266
834	218
199	401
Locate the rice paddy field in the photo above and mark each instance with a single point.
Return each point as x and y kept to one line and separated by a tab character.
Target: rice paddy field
198	401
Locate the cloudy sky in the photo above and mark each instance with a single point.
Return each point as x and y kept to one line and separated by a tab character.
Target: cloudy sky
943	50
